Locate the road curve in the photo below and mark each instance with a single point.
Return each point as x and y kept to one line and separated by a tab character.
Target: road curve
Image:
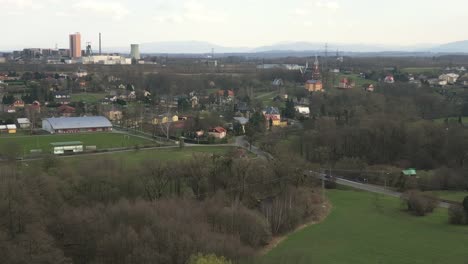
377	189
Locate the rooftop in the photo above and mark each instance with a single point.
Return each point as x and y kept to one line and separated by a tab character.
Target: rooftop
78	122
69	143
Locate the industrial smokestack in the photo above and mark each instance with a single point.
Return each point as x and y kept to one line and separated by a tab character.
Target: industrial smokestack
135	52
100	50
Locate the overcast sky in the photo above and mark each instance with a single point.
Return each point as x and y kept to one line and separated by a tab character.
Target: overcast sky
238	23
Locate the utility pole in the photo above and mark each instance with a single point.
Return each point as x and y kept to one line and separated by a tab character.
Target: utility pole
325	68
321	174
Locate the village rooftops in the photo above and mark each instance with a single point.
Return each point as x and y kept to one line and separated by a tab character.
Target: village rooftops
272	111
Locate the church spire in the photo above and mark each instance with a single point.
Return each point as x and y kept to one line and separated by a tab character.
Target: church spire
316	72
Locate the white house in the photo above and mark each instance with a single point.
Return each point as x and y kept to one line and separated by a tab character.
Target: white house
303	110
389	79
450	78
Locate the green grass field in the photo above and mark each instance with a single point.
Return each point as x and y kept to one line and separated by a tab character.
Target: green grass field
100	140
426	70
87	97
451	119
451	195
267	98
133	157
365	229
360	82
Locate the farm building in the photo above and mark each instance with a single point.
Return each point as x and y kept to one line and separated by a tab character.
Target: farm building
64	125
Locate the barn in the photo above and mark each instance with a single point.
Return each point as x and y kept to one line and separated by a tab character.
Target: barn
67	125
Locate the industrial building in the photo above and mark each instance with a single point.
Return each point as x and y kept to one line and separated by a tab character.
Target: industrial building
75	45
106	60
135	52
66	125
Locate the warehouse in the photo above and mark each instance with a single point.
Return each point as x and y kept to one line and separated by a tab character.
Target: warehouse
68	125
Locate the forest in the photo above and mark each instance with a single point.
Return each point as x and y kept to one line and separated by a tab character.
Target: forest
55	211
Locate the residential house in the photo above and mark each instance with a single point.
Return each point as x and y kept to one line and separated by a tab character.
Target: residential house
35	107
303	110
18	104
346	83
277	82
23	123
450	78
194	101
272	114
369	88
132	95
225	93
81	73
314	86
389	79
66	110
110	98
9	109
114	115
218	132
62	97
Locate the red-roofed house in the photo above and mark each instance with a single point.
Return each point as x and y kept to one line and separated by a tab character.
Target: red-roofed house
229	93
35	107
18	103
66	110
346	83
218	132
389	79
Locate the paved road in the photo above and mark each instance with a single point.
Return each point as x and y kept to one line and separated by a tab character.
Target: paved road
243	143
375	189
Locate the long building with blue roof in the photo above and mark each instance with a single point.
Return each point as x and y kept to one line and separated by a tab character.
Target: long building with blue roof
66	125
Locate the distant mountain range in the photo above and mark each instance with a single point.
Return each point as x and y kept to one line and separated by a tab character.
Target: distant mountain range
201	47
453	47
296	49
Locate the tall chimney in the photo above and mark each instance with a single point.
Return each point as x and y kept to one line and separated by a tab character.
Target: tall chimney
100	50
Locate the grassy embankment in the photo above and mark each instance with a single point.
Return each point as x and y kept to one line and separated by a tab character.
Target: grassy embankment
369	228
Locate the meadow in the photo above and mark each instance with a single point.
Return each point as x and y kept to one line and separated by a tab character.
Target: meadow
455	196
163	154
369	228
100	140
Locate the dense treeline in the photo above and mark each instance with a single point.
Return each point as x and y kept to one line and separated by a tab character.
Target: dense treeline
105	211
395	127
